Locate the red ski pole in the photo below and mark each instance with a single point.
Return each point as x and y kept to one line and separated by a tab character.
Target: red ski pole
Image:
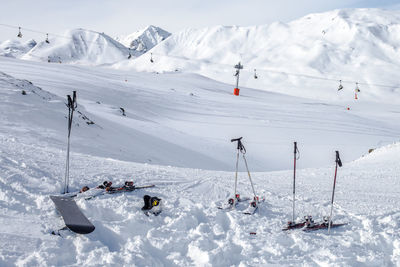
294	178
338	163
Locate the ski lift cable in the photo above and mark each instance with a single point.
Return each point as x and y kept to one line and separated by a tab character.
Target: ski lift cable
223	64
45	33
248	69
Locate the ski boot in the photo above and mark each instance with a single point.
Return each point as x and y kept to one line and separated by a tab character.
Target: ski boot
151	205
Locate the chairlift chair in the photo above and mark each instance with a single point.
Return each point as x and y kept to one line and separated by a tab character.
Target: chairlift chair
340	85
357	89
19	33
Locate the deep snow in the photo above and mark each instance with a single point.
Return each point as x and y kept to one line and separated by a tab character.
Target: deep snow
163	116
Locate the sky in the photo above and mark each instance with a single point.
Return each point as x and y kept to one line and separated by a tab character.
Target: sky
122	17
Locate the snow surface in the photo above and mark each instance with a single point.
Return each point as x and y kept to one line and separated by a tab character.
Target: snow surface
176	134
187	120
143	40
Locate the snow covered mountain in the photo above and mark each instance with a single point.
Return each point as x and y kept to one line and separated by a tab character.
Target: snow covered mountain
15	48
143	40
343	45
79	46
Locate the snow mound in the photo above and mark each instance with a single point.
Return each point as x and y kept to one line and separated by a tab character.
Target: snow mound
79	46
15	48
354	45
385	154
143	40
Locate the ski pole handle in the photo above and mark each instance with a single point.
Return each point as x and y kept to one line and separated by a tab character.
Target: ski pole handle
74	102
338	161
239	144
295	147
69	101
236	139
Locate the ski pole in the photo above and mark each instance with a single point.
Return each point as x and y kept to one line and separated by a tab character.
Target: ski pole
237	162
251	182
71	108
338	163
294	178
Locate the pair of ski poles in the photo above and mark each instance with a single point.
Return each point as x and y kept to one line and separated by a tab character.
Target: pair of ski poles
242	149
72	105
338	164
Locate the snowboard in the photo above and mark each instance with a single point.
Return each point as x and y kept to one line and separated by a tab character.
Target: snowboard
73	217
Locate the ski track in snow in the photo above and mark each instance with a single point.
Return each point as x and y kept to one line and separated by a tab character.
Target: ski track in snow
171	127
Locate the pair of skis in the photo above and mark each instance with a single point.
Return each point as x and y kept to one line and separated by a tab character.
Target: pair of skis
308	223
232	202
101	190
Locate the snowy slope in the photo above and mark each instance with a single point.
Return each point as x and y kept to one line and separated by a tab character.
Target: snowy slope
143	40
196	116
191	231
79	46
15	48
349	45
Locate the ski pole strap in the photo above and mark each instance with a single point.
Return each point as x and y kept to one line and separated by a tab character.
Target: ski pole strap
70	103
74	103
338	161
240	146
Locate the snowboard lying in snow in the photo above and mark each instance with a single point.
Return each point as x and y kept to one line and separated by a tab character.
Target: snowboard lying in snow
73	217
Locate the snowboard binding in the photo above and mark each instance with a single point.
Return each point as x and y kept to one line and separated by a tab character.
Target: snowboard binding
309	221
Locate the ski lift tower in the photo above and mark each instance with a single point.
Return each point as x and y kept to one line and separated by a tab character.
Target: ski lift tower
238	67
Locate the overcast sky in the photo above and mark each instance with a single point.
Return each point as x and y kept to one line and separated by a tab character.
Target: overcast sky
121	17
